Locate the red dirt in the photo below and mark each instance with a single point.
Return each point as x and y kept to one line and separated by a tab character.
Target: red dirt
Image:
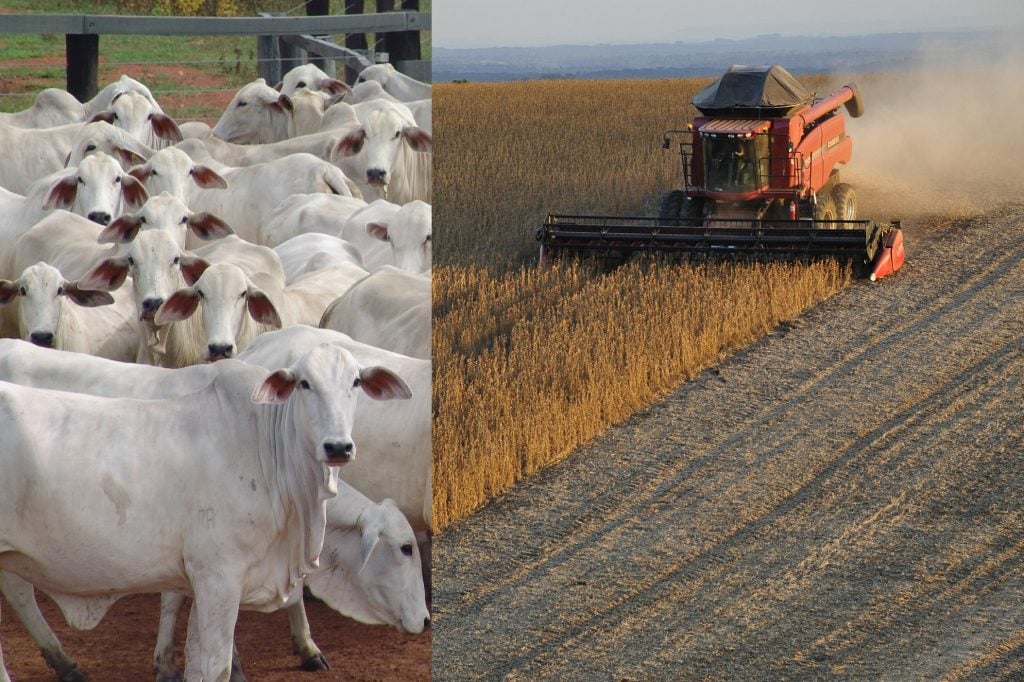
120	649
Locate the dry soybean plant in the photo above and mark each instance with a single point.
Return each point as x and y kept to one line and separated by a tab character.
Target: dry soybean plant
531	362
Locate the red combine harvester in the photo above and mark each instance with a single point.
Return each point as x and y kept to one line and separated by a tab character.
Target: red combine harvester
760	179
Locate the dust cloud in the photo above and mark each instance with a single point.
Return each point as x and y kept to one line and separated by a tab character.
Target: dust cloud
944	136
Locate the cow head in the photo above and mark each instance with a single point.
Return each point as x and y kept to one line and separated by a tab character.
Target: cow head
95	189
256	114
41	291
321	389
230	300
171	170
386	126
409	233
372	572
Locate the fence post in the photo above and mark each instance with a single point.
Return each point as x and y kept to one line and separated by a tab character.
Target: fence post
319	8
82	57
354	41
401	45
268	54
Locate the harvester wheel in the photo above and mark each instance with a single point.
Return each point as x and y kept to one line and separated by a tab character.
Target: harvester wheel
671	204
825	213
846	201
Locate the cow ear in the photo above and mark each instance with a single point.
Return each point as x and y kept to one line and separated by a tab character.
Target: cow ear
283	103
261	308
140	172
207	178
85	297
133	191
8	290
377	231
383	384
275	388
128	157
165	127
351	144
369	539
107	276
280	84
335	87
208	226
180	306
105	116
192	268
418	138
121	231
63	193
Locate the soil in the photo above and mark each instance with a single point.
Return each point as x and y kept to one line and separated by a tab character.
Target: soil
839	500
120	649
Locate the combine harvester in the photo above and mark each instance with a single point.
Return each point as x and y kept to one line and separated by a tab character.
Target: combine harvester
759	180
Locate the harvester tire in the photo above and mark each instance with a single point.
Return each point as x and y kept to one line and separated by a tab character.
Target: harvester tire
846	201
671	204
825	213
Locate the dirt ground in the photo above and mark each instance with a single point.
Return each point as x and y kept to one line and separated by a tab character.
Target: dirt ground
120	649
840	500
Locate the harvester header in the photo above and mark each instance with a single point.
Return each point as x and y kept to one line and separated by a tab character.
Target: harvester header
759	177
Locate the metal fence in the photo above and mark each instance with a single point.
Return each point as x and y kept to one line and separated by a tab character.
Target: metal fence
82	34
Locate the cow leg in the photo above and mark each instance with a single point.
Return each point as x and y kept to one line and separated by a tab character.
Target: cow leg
163	655
21	596
302	641
211	629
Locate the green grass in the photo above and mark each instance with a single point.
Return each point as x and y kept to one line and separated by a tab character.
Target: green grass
231	59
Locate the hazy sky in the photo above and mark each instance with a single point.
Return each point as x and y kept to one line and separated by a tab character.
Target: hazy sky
490	23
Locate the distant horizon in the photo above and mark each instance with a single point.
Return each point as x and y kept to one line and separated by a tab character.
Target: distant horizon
469	24
766	34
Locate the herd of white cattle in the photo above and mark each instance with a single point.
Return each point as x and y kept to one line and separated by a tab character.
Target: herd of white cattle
190	316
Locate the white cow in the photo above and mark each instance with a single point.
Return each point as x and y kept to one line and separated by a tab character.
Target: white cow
363	91
390	309
235	304
173	171
389	234
258	453
52	107
204	147
97	189
311	77
141	118
395	455
56	107
100	136
253	191
306	213
388	589
388	155
396	83
55	313
256	114
305	253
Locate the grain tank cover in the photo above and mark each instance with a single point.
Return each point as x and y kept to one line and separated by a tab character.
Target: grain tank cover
753	92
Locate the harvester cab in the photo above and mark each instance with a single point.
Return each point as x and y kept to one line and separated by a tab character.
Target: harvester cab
760	178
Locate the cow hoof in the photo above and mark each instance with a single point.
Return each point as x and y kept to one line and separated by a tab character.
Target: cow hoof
73	675
315	663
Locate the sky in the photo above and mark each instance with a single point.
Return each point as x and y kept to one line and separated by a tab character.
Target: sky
530	23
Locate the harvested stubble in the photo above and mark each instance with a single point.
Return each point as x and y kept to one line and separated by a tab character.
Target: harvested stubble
528	362
530	365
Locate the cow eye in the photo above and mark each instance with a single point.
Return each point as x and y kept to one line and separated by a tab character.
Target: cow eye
407	549
177	259
117	180
153	173
242	103
184	220
90	147
142	220
150	117
131	261
81	181
302	84
303	384
60	291
23	291
357	382
398	134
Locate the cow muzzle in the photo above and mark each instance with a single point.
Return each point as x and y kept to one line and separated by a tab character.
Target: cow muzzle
377	176
338	452
219	351
44	339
